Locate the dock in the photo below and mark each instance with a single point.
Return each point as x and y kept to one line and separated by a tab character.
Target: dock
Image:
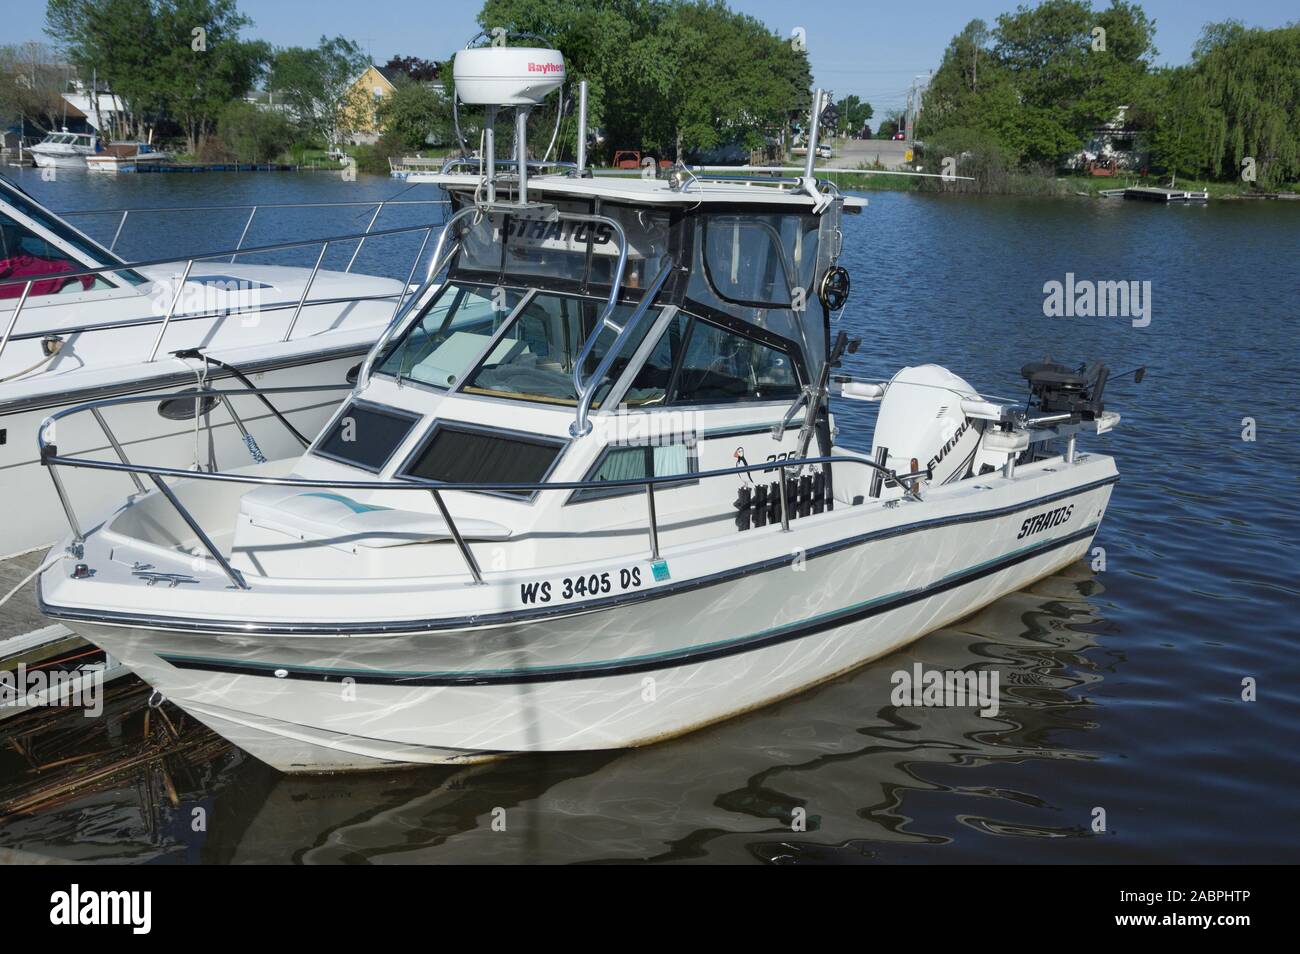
30	639
216	167
1155	194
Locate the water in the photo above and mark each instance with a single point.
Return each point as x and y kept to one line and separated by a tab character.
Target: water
1121	689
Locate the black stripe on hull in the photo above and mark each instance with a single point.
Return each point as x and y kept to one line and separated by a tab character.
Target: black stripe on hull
687	657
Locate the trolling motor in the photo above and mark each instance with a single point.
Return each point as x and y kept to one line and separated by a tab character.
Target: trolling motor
1065	394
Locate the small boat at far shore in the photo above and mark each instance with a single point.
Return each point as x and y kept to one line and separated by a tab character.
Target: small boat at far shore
125	157
64	150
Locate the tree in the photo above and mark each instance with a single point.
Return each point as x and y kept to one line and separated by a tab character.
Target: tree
412	67
312	84
199	75
854	114
117	41
668	75
1044	78
151	58
253	133
31	83
1249	86
413	113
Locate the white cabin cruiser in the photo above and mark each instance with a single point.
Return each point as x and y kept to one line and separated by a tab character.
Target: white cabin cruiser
64	150
589	496
77	323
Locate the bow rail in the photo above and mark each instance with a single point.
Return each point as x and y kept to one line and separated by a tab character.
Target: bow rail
52	460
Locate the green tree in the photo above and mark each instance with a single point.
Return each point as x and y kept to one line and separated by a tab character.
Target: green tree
149	54
668	75
117	41
1044	78
252	133
312	83
414	112
200	74
854	114
1249	85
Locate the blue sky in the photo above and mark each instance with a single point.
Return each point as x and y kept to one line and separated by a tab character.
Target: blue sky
873	49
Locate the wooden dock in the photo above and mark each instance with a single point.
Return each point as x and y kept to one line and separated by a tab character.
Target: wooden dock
1155	194
216	167
30	639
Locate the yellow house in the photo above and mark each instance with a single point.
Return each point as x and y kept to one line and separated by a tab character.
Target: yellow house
358	120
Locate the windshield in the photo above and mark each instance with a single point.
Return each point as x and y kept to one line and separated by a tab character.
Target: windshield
453	331
534	359
568	249
22	240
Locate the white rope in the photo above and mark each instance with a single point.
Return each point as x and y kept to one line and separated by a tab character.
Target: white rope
29	577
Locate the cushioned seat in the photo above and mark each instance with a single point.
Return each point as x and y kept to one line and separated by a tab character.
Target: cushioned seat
340	520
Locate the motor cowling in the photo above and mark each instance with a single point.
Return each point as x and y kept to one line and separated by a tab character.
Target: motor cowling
921	419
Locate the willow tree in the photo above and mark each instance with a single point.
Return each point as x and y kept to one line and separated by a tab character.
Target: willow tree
1248	85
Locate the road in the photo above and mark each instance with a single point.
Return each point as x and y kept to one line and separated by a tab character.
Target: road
851	153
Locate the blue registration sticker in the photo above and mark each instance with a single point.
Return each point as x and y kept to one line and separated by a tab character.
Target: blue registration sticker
660	570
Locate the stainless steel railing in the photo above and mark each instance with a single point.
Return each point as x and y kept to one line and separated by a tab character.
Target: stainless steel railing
170	314
52	460
586	390
379	205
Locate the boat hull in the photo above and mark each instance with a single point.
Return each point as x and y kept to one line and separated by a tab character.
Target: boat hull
58	160
626	674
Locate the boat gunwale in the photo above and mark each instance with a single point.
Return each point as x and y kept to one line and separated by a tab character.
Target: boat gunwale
480	621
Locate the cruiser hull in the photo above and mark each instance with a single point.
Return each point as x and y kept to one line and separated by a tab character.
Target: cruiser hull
669	661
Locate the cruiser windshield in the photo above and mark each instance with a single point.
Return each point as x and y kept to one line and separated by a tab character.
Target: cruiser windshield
534	359
28	253
449	336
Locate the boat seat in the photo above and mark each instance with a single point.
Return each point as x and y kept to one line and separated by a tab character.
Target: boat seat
341	521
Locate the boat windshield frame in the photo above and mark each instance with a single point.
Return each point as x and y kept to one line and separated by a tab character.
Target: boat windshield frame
31	214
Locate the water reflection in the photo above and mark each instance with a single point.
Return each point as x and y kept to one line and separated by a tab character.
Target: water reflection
871	779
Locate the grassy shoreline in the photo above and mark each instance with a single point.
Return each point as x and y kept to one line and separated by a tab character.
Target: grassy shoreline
1071	186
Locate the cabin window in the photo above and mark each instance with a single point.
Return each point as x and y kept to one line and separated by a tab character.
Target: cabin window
366	435
636	462
647	244
453	331
533	360
459	454
759	260
26	254
720	365
650	385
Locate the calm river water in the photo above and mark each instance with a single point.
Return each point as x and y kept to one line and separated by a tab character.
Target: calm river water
1121	688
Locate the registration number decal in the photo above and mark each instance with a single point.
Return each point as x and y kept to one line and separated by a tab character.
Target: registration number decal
577	587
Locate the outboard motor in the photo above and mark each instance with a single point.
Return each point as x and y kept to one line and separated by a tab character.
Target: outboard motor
921	420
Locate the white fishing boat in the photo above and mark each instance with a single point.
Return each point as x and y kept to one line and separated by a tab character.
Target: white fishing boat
78	323
588	496
64	150
125	157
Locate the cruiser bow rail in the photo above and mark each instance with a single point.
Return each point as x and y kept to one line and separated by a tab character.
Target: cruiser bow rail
165	321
